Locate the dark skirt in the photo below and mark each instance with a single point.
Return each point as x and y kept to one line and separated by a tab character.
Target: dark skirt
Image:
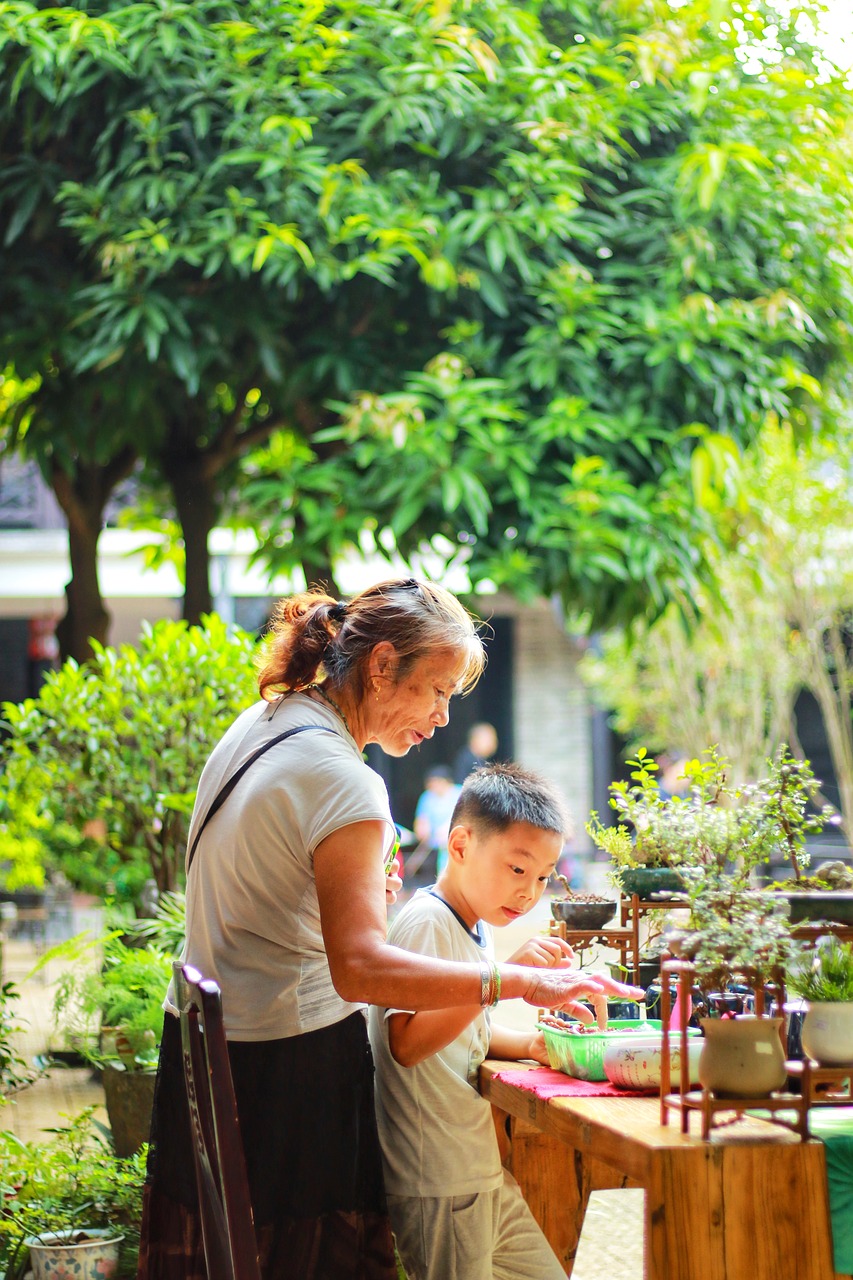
308	1126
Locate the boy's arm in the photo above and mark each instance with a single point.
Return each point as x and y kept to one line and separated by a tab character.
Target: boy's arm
506	1042
415	1036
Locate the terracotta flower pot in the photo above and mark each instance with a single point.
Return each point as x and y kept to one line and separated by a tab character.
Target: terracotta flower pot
742	1057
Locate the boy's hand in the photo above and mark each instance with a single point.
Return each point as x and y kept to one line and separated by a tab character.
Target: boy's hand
537	1051
544	952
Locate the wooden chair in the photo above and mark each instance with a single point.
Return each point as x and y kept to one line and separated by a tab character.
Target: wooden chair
230	1246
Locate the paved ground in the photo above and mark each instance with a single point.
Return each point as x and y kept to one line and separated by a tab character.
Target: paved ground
65	1092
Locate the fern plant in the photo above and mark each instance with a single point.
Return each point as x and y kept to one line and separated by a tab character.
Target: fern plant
829	977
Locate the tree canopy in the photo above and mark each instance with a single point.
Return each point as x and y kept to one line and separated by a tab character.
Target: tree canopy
486	271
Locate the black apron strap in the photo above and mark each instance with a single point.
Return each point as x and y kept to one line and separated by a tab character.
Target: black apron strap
229	786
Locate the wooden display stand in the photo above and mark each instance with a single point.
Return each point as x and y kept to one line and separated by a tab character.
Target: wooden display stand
624	937
631	911
823	1086
705	1101
607	936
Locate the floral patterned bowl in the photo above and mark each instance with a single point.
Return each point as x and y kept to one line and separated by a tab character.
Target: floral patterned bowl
638	1065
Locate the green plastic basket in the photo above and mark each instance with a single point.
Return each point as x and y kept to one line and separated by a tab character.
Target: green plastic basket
582	1056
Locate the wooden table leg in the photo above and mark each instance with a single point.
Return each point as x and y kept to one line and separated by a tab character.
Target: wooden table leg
738	1212
556	1181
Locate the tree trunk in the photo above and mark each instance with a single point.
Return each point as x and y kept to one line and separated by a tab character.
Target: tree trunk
83	497
86	617
319	574
193	490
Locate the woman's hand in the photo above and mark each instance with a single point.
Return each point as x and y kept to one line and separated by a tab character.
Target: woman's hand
559	989
543	952
393	882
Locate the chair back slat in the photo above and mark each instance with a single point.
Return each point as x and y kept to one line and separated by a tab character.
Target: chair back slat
225	1209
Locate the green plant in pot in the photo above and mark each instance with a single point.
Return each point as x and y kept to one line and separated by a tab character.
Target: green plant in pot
824	979
113	1012
788	811
70	1203
657	835
737	936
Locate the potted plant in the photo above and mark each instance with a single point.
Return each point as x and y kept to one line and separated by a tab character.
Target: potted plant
737	936
825	981
113	1013
70	1205
788	810
657	835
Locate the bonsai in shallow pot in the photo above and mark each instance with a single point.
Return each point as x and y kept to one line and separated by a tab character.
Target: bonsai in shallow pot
824	980
787	803
658	835
737	936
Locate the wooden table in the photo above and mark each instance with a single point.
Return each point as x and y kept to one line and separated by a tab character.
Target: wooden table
751	1204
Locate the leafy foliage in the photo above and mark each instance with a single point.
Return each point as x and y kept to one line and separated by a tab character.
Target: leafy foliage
122	741
827	974
167	928
124	990
15	1073
736	933
793	508
72	1179
731	678
716	825
483	273
779	620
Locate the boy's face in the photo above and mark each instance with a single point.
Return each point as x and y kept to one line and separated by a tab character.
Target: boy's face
498	876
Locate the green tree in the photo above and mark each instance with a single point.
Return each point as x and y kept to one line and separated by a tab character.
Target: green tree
781	621
121	741
481	271
797	519
730	680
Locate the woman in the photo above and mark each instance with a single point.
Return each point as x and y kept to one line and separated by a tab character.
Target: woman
286	909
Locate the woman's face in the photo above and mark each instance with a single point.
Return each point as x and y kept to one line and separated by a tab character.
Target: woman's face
410	709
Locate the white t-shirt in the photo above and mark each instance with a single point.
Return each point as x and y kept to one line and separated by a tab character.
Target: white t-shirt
437	1134
253	919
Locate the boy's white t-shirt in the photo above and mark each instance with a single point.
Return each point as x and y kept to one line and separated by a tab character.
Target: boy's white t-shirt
253	919
437	1133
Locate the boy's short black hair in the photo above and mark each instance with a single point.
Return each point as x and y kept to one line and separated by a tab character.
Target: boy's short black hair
497	795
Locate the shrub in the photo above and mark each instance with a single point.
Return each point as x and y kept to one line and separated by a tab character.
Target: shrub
117	745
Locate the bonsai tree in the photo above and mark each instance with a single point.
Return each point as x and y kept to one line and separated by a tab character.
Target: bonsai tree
785	804
115	748
735	934
654	830
714	825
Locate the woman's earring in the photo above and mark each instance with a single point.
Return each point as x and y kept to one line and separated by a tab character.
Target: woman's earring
376	688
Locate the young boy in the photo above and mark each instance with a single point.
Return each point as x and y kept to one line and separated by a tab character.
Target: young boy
456	1212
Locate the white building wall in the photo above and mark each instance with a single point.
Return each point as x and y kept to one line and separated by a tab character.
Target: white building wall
551	710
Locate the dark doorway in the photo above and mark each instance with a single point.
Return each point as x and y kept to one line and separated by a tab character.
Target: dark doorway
491	700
